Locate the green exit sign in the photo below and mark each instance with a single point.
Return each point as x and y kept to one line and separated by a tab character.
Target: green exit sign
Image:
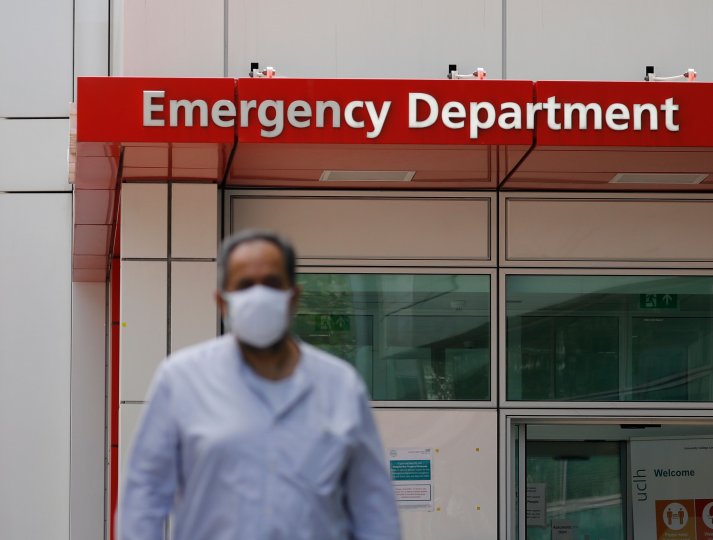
658	301
332	323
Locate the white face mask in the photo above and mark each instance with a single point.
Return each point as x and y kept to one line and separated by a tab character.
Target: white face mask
259	315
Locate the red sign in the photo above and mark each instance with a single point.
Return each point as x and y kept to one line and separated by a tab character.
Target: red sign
704	519
625	114
379	111
393	111
111	109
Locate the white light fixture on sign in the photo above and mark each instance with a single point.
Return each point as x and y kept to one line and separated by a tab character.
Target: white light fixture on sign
366	176
658	178
478	74
268	73
690	75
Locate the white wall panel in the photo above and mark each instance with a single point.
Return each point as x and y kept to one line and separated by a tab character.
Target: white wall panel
394	228
91	38
364	38
193	308
402	38
35	344
129	415
116	37
144	220
36	59
34	155
607	39
465	466
88	410
194	220
634	230
171	38
143	325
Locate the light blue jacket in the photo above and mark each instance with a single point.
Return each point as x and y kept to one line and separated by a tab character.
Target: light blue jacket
211	451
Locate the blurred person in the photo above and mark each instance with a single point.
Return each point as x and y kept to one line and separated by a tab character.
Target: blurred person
255	435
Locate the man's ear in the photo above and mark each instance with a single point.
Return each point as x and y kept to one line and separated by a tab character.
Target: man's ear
222	306
295	300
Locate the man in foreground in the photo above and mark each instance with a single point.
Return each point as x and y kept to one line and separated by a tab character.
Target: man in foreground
255	435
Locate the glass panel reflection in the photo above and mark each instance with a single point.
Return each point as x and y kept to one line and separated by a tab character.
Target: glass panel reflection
412	337
582	485
609	338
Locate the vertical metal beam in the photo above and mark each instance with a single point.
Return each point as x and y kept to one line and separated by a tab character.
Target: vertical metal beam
504	45
522	482
225	37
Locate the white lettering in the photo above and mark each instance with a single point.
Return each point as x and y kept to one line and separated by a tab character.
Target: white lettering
189	108
453	110
532	109
349	114
223	113
552	107
475	122
377	120
582	110
617	117
322	106
639	112
510	116
150	108
413	121
299	113
669	108
245	107
276	122
424	111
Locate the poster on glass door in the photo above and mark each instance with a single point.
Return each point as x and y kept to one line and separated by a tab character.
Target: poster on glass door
672	488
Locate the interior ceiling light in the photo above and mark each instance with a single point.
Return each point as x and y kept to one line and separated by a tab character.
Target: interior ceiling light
369	176
658	178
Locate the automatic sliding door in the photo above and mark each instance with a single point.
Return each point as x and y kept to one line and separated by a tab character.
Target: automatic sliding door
581	486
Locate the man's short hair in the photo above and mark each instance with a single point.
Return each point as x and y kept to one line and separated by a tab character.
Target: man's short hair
254	235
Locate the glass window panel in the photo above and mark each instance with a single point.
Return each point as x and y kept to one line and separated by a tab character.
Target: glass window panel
583	485
609	338
671	358
411	336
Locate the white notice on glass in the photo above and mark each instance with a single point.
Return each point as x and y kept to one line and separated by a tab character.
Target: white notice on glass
672	488
563	529
536	505
411	472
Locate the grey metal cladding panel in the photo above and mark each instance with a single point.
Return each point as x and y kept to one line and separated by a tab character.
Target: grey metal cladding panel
381	228
36	40
607	39
617	230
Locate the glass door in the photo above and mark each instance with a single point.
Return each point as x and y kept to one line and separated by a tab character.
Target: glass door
575	490
609	477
